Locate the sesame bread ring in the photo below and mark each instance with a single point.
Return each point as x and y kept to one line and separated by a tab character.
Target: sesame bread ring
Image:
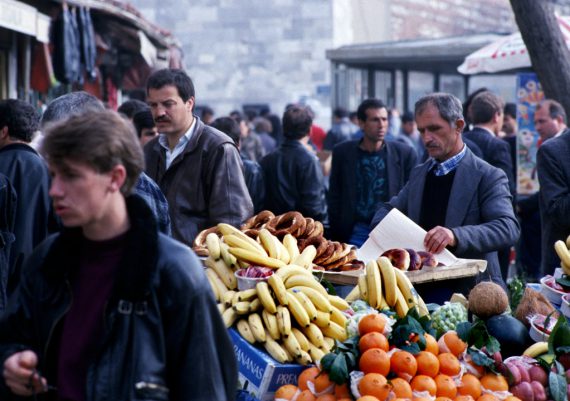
288	223
400	258
200	240
319	229
428	259
318	242
258	220
329	251
310	227
343	260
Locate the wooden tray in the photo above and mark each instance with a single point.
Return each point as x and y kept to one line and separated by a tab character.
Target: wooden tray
464	268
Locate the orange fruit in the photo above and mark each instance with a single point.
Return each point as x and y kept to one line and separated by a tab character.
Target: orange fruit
323	383
470	386
487	397
403	364
422	399
342	391
344	399
286	392
424	383
306	395
374	384
446	387
401	388
463	398
512	398
443	399
449	364
368	398
428	364
307	375
473	368
375	360
326	397
450	342
431	343
494	382
370	323
373	340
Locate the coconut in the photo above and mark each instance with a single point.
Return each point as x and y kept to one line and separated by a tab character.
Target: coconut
532	303
488	299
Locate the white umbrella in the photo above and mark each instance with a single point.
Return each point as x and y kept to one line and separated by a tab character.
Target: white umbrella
506	53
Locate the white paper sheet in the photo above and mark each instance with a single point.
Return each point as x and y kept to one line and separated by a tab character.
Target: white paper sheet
396	230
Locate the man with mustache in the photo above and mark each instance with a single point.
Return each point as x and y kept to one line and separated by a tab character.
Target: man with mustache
197	167
462	202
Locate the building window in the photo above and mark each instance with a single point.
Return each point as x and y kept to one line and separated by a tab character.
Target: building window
419	84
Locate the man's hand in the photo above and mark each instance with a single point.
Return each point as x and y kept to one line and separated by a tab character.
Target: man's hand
21	376
438	238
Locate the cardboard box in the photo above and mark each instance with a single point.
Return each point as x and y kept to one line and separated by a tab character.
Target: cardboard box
263	373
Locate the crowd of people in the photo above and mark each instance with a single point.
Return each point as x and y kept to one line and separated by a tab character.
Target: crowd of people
100	294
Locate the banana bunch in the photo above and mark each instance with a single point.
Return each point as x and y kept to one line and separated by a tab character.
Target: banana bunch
384	286
563	252
536	349
291	314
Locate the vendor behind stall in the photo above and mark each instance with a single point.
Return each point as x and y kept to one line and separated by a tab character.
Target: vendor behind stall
462	202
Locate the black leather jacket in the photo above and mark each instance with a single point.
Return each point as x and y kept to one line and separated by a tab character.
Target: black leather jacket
294	181
163	337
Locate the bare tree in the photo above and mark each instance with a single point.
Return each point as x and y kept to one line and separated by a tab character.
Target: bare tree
546	47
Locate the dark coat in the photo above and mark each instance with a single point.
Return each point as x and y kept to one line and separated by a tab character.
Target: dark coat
294	181
255	184
401	159
162	325
7	219
553	166
204	185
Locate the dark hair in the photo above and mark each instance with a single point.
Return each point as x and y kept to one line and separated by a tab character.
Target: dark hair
132	107
206	110
555	109
407	117
340	112
228	126
368	104
511	110
262	124
20	117
297	121
70	104
236	115
101	139
143	119
485	106
449	106
178	78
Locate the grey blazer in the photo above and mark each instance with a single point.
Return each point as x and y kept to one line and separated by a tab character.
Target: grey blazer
479	212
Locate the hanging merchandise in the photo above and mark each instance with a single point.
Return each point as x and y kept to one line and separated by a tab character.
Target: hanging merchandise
87	41
66	52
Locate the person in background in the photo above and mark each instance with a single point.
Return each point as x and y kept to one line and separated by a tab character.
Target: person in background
132	106
130	314
342	129
251	146
410	136
292	174
207	115
510	128
276	129
262	127
145	126
364	173
197	167
394	122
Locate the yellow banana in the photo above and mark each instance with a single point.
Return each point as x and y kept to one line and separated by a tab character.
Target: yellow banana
297	310
268	241
568	241
256	258
306	257
290	243
565	268
242	308
315	353
255	305
229	259
303	341
292	345
320	301
245	331
383	304
276	351
562	252
283	252
374	284
246	295
314	334
354	294
226	273
304	358
422	308
235	298
257	328
363	288
323	318
338	302
227	229
388	279
229	317
536	349
329	343
270	322
338	317
221	307
279	289
213	285
289	356
289	270
401	306
265	297
406	288
283	320
227	298
305	281
213	245
335	331
305	303
220	286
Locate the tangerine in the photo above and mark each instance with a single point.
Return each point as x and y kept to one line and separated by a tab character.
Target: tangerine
428	364
473	368
374	322
375	360
494	382
424	383
373	340
286	392
403	364
401	388
487	397
326	397
323	383
450	342
463	398
307	375
443	399
422	399
512	398
470	386
431	343
368	398
306	395
376	385
342	391
446	387
449	364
